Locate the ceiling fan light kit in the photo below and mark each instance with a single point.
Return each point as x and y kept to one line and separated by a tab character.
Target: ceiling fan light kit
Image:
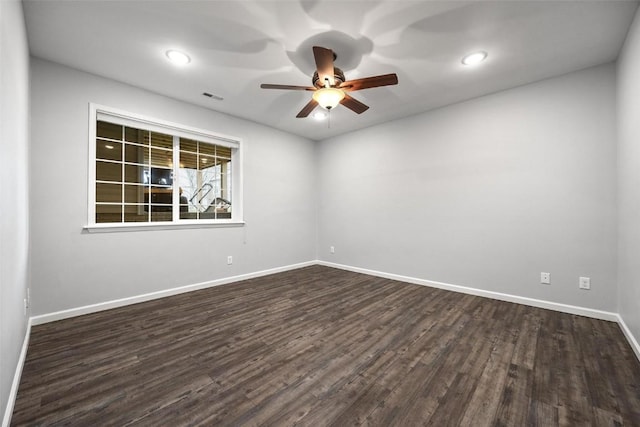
328	97
330	87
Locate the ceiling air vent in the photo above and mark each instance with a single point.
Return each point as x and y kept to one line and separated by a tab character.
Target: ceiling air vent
213	96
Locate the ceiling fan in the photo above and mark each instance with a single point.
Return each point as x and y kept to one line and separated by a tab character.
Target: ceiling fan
330	88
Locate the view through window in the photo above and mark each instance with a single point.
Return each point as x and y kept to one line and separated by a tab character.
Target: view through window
143	174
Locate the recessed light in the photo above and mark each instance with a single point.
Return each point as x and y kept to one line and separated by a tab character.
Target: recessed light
177	57
108	147
319	115
474	58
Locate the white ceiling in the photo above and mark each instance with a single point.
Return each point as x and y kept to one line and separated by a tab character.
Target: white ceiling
236	45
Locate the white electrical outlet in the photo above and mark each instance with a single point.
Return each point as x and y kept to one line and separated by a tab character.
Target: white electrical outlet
229	260
584	283
332	249
545	278
25	306
28	297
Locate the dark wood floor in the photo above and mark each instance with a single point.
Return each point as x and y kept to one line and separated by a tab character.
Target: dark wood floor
319	346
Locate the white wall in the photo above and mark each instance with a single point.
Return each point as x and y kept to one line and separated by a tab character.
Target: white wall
629	179
14	184
73	268
487	193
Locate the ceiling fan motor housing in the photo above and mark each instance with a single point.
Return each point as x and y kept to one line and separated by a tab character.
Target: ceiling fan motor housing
338	76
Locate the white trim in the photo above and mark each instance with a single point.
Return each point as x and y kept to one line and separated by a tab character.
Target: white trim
565	308
91	169
13	393
94	308
627	333
143	226
237	184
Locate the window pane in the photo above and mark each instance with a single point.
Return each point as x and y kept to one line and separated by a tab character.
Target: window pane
136	174
207	161
161	140
189	145
108	213
160	195
109	193
161	157
161	176
108	150
223	152
225	185
139	136
161	213
184	202
135	154
136	213
108	130
209	149
202	196
188	215
188	160
106	171
134	193
223	207
187	186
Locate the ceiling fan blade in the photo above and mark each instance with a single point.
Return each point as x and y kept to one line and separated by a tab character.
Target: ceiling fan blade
324	64
369	82
286	87
307	109
353	104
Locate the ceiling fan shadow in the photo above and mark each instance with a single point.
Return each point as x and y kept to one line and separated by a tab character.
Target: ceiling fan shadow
349	16
349	51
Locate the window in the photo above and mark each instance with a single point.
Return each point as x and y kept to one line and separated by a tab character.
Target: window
149	172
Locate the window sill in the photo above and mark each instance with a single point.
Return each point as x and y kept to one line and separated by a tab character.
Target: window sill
114	228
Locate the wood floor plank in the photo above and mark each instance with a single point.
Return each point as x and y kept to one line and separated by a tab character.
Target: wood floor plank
320	346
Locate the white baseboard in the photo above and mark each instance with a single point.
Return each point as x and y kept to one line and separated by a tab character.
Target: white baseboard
94	308
627	333
565	308
13	393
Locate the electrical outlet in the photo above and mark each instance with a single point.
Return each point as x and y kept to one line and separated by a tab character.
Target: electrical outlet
545	278
28	297
332	249
229	260
25	306
584	283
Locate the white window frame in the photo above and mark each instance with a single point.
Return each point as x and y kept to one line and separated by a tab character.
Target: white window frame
117	116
